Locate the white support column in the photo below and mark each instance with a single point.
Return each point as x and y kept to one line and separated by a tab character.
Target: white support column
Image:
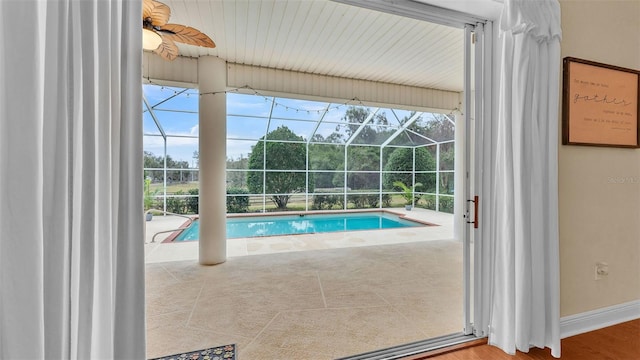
212	77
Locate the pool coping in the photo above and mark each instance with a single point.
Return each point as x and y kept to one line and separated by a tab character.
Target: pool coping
170	239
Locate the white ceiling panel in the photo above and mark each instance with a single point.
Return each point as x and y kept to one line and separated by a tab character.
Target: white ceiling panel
326	38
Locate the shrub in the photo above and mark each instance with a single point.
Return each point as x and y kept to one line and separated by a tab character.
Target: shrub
337	200
372	200
327	202
358	200
362	201
333	200
429	202
149	196
176	204
386	200
446	204
192	201
319	201
237	200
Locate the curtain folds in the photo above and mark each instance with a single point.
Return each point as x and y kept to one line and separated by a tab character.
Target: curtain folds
71	253
525	292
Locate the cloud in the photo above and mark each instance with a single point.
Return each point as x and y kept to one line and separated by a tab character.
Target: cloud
237	148
179	148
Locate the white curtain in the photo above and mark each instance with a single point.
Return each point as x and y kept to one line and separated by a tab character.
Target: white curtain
71	249
525	293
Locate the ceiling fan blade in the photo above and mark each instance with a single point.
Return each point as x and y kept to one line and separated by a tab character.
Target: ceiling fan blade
167	50
147	6
157	12
187	35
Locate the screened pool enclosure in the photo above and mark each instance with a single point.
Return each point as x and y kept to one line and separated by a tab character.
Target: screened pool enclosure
292	154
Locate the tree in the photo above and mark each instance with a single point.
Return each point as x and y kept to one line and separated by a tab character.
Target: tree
237	178
325	157
447	162
196	158
438	128
372	132
363	164
284	156
401	159
157	162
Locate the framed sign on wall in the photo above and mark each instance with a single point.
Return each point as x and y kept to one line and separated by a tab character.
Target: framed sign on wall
600	104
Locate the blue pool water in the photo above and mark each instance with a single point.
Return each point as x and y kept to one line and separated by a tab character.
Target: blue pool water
254	226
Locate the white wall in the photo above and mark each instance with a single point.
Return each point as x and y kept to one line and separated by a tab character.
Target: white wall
599	216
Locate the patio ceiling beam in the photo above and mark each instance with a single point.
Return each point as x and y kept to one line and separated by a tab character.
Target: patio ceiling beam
420	11
402	128
364	123
153	116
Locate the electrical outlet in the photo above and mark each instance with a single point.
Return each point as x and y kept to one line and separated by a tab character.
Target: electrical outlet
602	270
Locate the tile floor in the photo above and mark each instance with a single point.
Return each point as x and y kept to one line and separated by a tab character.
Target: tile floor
316	304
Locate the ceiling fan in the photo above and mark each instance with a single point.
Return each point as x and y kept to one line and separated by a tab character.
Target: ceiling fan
160	37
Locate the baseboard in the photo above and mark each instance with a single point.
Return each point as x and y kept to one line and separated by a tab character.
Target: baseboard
599	318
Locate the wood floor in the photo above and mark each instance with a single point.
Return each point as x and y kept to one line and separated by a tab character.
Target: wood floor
618	342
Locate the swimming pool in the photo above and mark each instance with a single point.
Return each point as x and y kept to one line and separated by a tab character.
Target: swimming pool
270	225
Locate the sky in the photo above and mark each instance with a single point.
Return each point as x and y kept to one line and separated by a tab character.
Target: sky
243	127
247	120
184	125
176	109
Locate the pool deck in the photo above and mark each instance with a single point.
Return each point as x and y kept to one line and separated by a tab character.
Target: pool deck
352	292
158	252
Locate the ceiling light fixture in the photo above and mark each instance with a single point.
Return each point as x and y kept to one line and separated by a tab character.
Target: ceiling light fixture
150	39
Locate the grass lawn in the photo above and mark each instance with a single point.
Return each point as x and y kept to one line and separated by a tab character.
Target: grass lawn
173	188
